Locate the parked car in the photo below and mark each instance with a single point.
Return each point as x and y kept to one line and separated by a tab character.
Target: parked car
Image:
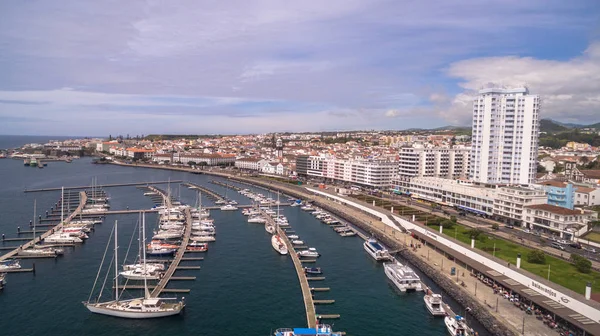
575	245
556	245
526	231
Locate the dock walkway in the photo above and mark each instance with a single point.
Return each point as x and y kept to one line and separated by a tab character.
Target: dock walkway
100	186
13	253
309	304
204	190
160	287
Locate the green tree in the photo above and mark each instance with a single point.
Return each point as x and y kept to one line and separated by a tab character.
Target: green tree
541	169
536	257
447	224
582	264
475	233
495	226
191	163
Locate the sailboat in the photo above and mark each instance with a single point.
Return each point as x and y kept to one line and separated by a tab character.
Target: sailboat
276	241
139	308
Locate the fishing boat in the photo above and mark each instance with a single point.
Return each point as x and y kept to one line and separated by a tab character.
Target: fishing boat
320	330
376	250
434	304
403	277
457	326
138	308
10	264
313	270
310	253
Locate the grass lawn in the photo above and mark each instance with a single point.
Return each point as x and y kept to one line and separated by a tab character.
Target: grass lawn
561	272
592	236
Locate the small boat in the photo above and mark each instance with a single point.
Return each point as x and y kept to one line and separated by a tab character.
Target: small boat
2	280
310	253
220	201
160	251
320	330
347	233
228	207
149	266
257	219
40	252
198	244
403	277
196	248
270	228
376	250
457	326
203	238
9	265
293	236
150	193
140	274
62	238
297	242
278	244
313	270
434	304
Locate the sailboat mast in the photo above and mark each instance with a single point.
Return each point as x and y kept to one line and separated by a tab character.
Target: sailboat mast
144	254
62	204
116	266
34	208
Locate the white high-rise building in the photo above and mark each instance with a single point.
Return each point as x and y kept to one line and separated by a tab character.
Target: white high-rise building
505	136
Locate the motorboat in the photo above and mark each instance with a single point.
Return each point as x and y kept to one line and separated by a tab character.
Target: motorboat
257	219
149	266
310	253
228	207
349	233
320	330
49	251
10	264
160	251
457	326
62	238
376	250
203	238
270	228
141	274
313	270
434	304
220	201
403	277
297	242
293	236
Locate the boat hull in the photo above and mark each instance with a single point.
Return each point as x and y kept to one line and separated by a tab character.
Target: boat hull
433	311
99	309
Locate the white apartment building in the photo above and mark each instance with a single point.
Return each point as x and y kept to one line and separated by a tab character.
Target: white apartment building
420	161
460	194
372	173
558	221
250	163
510	202
505	136
585	196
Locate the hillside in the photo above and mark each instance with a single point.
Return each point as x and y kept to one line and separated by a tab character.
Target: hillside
550	126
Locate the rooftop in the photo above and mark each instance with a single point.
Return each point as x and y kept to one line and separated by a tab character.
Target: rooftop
554	209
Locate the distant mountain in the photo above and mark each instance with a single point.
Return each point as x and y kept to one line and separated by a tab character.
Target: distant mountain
449	127
550	126
553	126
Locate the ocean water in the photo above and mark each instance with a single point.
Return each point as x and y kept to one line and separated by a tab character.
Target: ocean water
243	286
16	141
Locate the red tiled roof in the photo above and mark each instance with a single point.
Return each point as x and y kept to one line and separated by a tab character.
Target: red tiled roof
591	173
554	209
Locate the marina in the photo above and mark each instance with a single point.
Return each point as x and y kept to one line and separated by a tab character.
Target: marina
329	261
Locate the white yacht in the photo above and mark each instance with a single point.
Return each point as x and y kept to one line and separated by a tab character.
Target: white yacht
139	308
457	326
434	304
203	238
228	207
257	219
403	277
297	242
140	273
270	228
9	265
376	250
278	244
293	236
62	238
310	253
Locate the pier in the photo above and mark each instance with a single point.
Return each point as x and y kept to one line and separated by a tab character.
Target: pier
229	186
174	265
208	192
309	304
100	186
15	252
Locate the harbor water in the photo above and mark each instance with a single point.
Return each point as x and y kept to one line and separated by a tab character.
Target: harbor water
243	286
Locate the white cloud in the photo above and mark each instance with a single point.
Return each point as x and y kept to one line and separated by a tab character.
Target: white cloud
570	89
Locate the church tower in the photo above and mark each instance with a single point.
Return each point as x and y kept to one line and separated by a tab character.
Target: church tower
279	149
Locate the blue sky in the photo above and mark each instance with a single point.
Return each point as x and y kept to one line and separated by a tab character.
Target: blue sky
140	67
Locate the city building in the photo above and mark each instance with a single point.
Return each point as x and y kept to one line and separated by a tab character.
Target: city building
557	221
208	159
510	201
466	196
585	196
140	153
505	135
250	163
420	161
559	193
371	173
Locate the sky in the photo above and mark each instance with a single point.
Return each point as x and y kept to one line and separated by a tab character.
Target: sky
253	66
